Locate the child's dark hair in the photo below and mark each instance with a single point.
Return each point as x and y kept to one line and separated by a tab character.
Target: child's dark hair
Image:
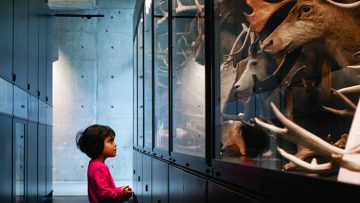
91	140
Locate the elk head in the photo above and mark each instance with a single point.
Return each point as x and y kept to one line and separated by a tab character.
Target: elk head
317	21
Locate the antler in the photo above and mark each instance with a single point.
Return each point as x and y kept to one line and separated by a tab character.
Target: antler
349	111
165	14
344	5
300	136
234	56
181	8
352	89
262	11
313	166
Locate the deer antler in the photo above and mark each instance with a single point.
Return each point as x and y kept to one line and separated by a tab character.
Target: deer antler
300	136
313	166
352	89
234	56
165	14
349	111
343	5
181	8
262	11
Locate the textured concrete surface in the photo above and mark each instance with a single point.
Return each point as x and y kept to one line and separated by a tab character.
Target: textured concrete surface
93	84
71	4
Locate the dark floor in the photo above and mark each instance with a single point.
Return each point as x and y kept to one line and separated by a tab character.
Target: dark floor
72	199
67	199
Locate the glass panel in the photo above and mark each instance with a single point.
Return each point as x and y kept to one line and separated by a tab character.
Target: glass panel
20	162
189	81
135	91
160	7
20	103
161	83
6	96
140	82
148	76
279	74
42	112
33	108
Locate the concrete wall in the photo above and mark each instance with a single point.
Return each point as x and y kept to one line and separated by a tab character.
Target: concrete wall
93	84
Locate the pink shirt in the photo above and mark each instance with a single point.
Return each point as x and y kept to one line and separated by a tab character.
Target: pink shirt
101	185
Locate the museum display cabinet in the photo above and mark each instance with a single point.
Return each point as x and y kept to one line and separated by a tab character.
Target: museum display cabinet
254	100
25	101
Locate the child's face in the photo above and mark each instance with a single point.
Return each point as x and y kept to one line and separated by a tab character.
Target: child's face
109	147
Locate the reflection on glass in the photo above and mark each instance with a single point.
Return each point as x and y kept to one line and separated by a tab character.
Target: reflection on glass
140	83
20	103
6	96
148	77
33	108
266	81
188	7
160	7
161	83
189	80
20	161
42	112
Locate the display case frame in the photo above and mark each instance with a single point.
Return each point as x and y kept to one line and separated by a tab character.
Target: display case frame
197	163
148	78
162	75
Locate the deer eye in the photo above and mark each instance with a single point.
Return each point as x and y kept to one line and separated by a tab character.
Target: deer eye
253	63
305	9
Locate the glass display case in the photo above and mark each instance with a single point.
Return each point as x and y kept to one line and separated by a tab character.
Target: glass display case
148	120
242	87
188	77
287	85
161	75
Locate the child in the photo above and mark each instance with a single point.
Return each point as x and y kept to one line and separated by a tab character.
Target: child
97	142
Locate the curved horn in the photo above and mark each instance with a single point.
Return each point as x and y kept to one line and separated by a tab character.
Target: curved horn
343	5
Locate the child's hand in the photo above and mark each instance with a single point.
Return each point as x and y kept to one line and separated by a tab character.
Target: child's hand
127	191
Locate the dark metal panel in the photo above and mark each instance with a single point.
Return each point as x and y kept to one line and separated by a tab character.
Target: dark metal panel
21	16
194	189
42	51
217	193
41	161
32	160
49	61
49	164
160	181
176	185
6	39
147	184
6	159
139	183
19	159
33	48
135	171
